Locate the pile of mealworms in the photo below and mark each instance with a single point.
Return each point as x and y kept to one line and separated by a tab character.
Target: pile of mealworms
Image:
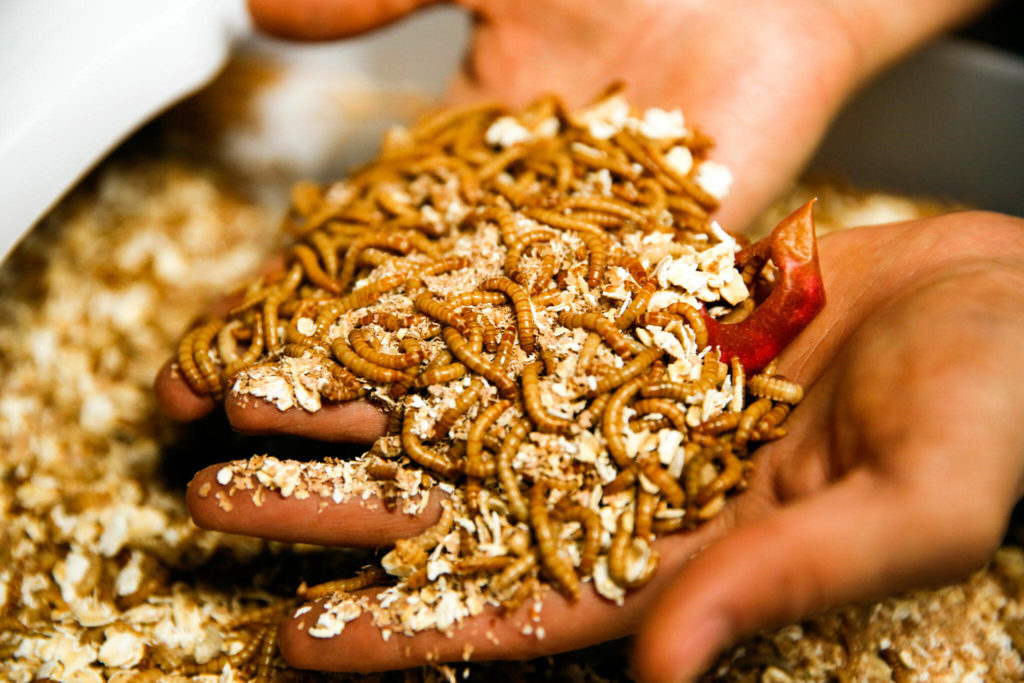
522	295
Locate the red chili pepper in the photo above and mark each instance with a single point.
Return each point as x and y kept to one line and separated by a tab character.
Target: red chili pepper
796	298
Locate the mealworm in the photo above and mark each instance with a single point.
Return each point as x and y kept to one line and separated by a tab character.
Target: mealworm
506	475
773	418
187	363
592	413
445	265
252	353
612	423
462	403
750	416
357	338
637	306
457	344
422	455
602	205
665	482
314	272
693	319
500	161
514	572
561	220
586	357
227	345
395	241
519	246
718	424
361	367
413	551
525	324
366	577
739	313
617	560
554	562
441	312
544	421
442	374
620	376
608	331
590	520
686	205
633	266
397	321
201	352
646	504
476	465
670	410
597	250
776	388
730	476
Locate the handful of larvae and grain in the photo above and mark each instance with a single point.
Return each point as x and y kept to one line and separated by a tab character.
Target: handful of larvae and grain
534	299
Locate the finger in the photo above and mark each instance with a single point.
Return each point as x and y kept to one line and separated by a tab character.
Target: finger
556	626
355	421
356	522
328	19
175	397
858	540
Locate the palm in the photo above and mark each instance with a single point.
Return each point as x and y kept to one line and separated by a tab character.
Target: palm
875	457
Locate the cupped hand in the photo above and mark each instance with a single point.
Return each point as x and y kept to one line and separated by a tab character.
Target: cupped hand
900	468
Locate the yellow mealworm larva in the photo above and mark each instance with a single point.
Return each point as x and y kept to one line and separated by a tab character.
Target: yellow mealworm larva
462	403
357	338
395	241
590	415
730	477
718	424
749	418
590	520
525	324
422	455
646	504
506	475
776	388
414	550
590	347
514	572
622	539
561	220
252	353
187	363
544	421
445	265
441	374
665	482
554	562
457	344
637	306
360	366
612	423
441	312
201	352
366	577
519	246
476	465
227	344
597	248
675	414
602	204
620	376
608	331
314	272
774	417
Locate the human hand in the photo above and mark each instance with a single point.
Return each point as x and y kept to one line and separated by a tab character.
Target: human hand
900	468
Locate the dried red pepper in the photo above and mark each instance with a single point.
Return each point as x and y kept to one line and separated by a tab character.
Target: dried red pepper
798	295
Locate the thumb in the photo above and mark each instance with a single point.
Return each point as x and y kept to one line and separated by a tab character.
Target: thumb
862	538
328	19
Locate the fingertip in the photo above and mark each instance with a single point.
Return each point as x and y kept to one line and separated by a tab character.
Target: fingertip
355	421
175	397
327	19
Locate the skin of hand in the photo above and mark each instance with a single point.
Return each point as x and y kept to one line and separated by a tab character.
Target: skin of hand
857	501
900	469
